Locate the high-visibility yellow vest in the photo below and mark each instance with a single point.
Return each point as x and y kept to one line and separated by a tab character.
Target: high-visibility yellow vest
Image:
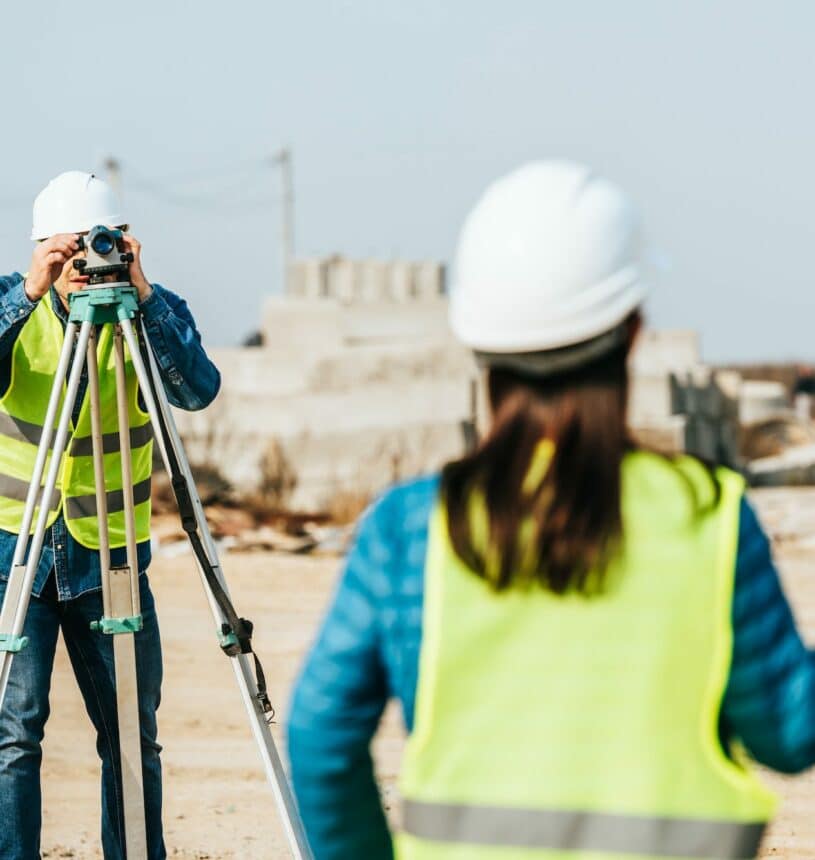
22	414
572	727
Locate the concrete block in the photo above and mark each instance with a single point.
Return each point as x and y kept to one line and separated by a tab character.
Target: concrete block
805	406
301	327
402	285
373	281
386	322
664	351
667	435
795	466
429	280
649	398
762	400
393	364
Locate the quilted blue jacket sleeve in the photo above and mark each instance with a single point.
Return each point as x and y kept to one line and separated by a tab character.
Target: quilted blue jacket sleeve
368	649
770	700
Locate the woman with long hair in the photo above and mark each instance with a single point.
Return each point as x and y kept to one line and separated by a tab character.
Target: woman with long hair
585	636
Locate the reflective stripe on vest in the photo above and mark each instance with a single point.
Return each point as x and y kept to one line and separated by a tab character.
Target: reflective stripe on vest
563	726
77	507
35	357
17	489
20	430
81	446
559	830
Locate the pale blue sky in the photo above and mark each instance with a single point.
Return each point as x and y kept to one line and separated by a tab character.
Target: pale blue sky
400	113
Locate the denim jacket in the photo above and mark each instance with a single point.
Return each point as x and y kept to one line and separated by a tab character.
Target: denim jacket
190	379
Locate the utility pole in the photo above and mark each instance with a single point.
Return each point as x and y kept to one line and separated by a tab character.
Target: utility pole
283	159
113	173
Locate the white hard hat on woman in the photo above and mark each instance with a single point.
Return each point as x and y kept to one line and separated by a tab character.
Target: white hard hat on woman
550	256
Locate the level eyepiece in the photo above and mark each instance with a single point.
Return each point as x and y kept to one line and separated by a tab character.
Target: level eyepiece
103	242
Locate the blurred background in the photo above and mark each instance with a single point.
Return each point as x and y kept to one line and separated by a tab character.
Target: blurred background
299	173
398	114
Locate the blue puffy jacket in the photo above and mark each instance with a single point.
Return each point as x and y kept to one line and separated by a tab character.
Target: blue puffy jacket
368	651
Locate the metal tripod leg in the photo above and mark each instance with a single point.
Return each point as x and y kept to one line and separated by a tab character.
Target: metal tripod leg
241	664
120	600
21	577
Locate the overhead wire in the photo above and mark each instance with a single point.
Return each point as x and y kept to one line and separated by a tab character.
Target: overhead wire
229	186
236	191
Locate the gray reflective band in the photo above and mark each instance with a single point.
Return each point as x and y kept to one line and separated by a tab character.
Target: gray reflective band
17	489
21	431
552	362
77	507
82	446
563	830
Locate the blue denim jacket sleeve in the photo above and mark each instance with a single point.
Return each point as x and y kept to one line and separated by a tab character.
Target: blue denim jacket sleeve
15	309
368	649
190	379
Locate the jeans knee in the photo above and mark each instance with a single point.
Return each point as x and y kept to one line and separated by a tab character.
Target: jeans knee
150	747
22	726
18	743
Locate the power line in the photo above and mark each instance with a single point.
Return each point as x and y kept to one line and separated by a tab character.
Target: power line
232	191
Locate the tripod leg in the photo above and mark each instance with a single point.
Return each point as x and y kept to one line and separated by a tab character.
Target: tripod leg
17	572
21	580
99	470
170	444
122	613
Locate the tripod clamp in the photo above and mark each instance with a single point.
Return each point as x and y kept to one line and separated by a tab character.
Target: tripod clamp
12	644
111	303
235	633
112	626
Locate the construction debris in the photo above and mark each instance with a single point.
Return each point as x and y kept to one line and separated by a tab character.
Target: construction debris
774	436
794	467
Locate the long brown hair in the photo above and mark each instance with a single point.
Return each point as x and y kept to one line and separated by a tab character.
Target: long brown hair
566	525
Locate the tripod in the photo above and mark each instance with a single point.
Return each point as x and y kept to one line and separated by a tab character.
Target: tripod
116	304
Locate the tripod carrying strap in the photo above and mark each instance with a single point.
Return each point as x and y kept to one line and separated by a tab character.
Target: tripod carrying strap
236	632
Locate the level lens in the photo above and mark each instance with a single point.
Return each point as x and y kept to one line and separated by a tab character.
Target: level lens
103	244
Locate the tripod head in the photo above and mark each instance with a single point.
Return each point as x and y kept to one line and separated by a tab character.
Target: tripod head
109	296
106	255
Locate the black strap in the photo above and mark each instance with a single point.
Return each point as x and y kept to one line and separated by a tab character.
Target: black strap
241	627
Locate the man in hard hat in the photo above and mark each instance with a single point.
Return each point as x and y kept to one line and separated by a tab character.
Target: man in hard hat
66	595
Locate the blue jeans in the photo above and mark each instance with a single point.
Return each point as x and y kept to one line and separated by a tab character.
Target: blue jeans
26	709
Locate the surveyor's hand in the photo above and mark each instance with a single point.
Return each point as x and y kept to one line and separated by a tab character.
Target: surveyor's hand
137	278
47	262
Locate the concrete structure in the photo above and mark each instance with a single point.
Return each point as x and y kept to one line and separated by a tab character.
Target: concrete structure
348	394
354	281
804	405
795	466
761	400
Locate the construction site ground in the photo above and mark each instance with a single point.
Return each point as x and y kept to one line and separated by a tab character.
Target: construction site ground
217	803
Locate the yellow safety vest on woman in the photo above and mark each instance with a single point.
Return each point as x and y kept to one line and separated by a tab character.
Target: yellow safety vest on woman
34	363
572	727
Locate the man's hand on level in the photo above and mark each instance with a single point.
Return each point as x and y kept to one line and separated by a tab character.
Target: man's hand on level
47	263
137	278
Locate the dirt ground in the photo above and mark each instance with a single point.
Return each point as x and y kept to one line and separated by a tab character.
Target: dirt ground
217	804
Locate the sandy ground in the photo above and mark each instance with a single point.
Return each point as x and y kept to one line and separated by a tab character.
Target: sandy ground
217	804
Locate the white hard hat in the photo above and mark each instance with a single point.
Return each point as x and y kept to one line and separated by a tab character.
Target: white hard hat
549	257
74	202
